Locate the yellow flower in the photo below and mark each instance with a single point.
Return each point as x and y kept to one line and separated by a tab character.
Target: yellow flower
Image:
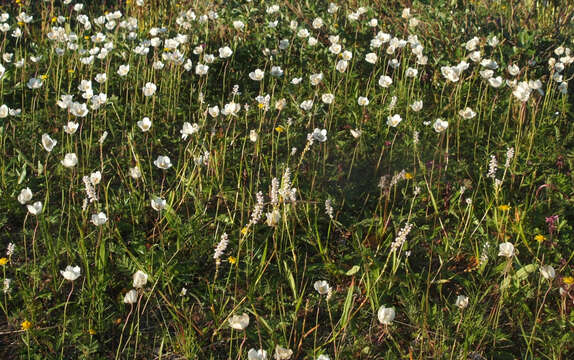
3	261
408	176
504	207
54	19
232	260
244	230
20	23
540	238
260	105
44	77
86	37
279	129
569	280
26	325
71	71
92	332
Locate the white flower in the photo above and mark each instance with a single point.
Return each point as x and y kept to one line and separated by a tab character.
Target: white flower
123	70
139	279
282	353
394	120
257	75
417	105
322	287
547	272
327	98
131	297
95	177
342	66
316	79
386	315
467	113
71	273
461	301
25	196
188	129
144	124
225	52
522	91
163	162
320	135
260	354
135	172
506	249
411	72
35	208
70	160
4	111
513	69
99	219
253	136
371	58
238	25
306	105
149	89
385	81
34	83
48	142
440	125
201	69
335	48
213	111
273	218
355	133
239	322
276	71
71	127
363	101
158	204
495	82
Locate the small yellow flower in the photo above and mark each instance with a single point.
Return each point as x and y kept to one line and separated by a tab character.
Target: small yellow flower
260	105
232	260
71	71
20	23
3	261
86	37
279	129
44	77
408	176
569	280
26	325
92	332
540	238
244	230
54	19
504	207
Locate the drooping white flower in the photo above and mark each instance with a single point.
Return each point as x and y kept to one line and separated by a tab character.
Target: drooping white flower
467	113
34	83
35	208
188	129
320	135
71	127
